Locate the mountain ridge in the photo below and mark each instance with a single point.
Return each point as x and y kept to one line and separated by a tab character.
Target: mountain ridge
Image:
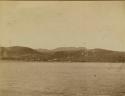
60	54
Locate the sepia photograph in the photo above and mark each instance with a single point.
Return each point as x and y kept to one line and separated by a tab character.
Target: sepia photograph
62	48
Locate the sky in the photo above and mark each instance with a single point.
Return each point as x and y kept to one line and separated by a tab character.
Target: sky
51	24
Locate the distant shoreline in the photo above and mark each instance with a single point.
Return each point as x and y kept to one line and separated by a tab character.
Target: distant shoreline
63	54
59	61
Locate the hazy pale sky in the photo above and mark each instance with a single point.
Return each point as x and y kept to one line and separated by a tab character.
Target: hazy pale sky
51	24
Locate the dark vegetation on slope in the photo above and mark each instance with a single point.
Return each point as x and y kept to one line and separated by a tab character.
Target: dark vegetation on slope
70	54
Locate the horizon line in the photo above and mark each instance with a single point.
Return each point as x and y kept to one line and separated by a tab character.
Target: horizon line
64	47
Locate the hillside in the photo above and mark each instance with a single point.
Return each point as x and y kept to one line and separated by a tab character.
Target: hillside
72	54
69	49
20	53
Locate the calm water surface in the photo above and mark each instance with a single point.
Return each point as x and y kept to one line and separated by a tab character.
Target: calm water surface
61	79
